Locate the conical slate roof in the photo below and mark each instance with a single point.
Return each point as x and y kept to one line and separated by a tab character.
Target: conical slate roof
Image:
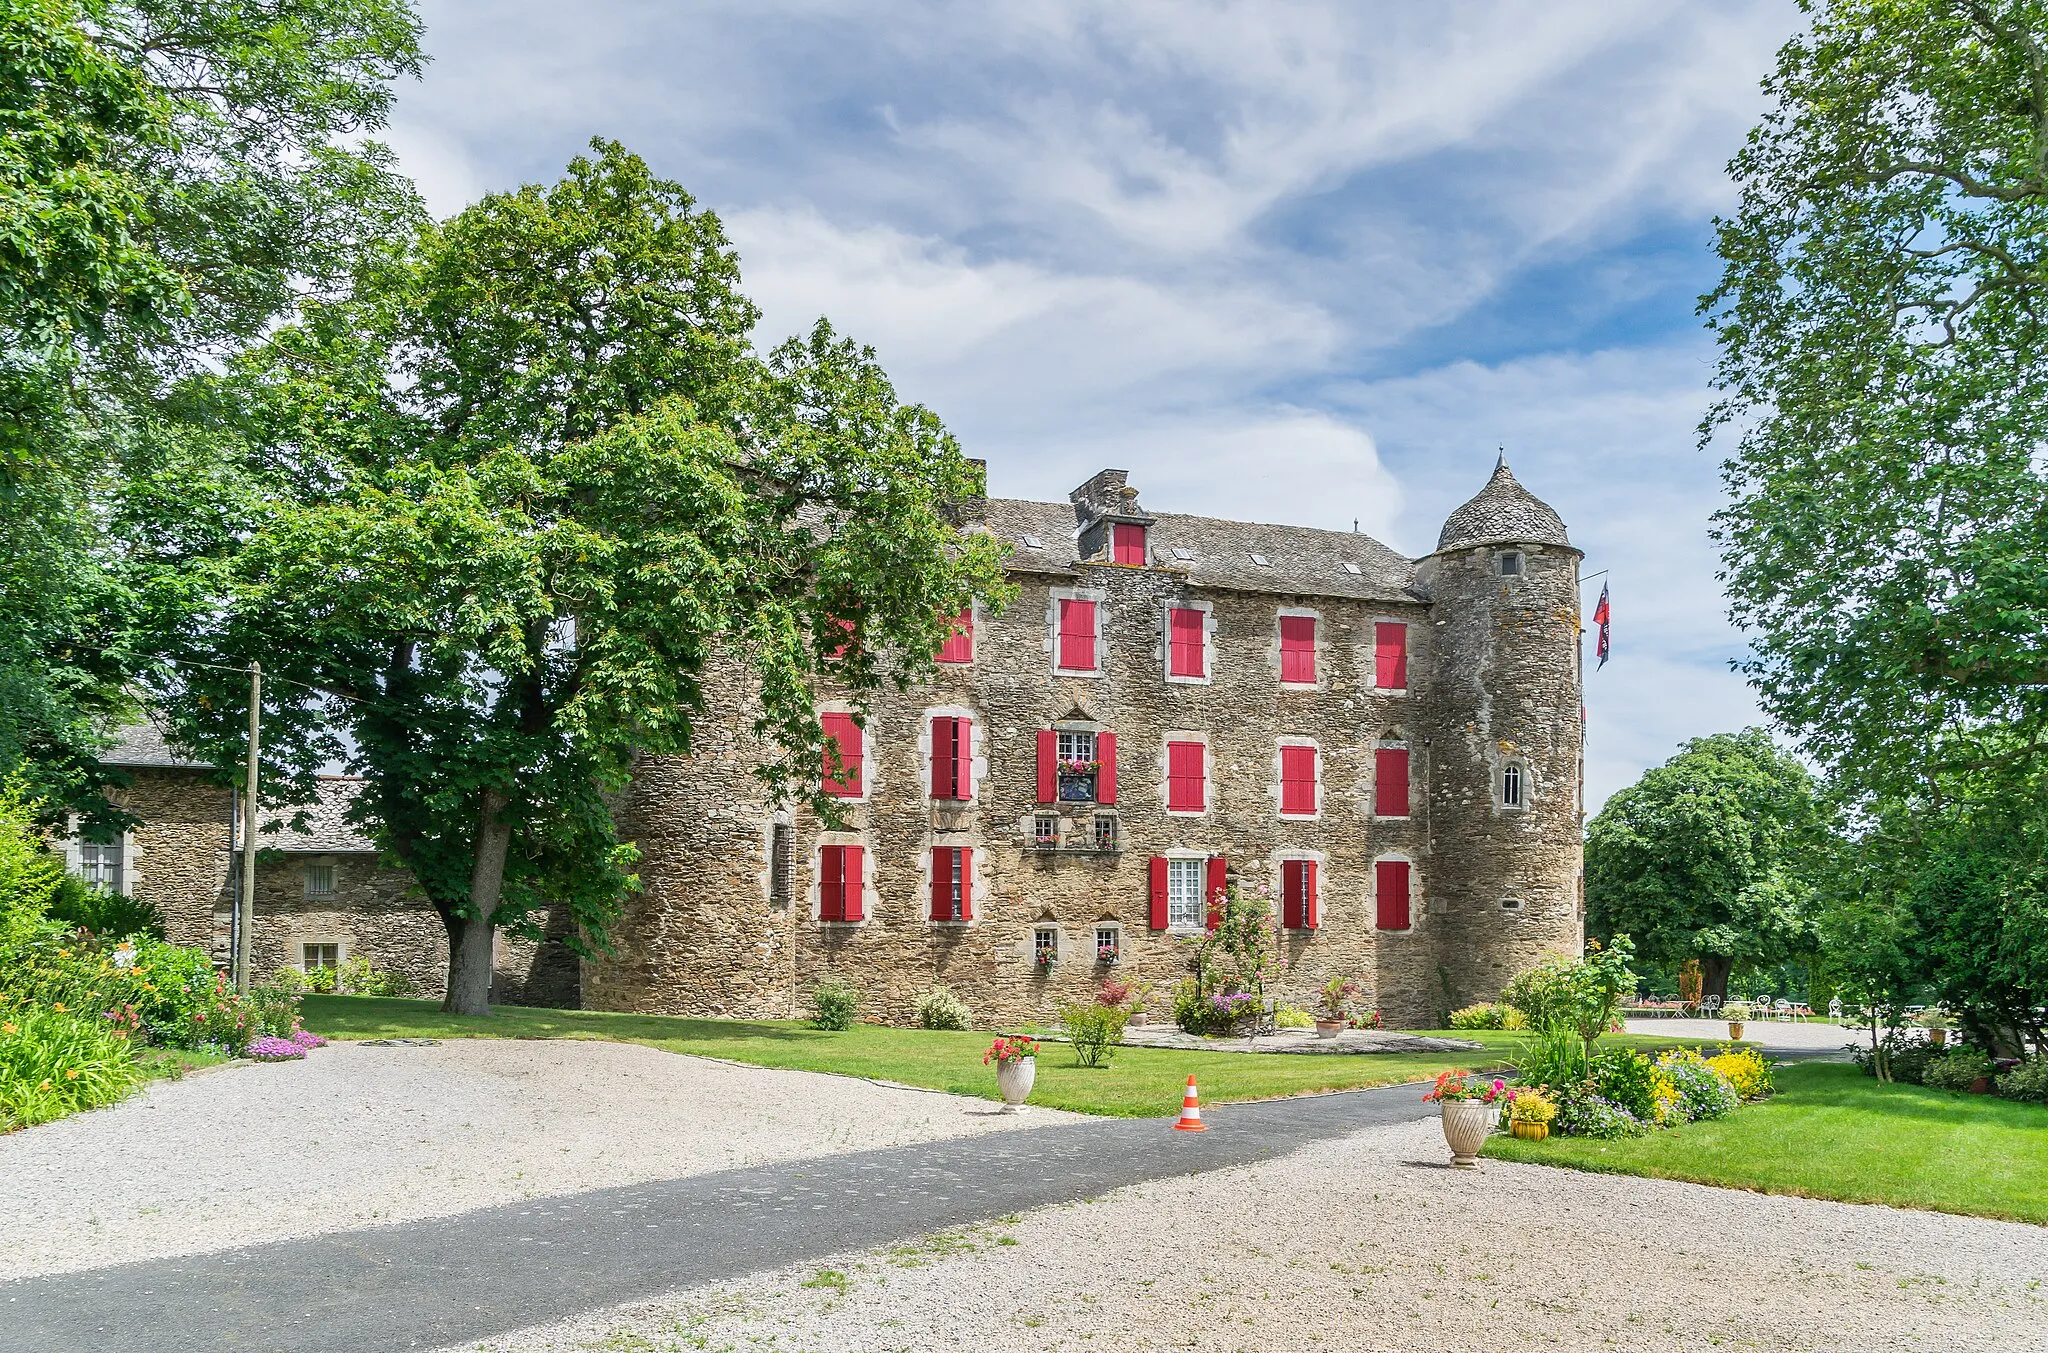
1503	513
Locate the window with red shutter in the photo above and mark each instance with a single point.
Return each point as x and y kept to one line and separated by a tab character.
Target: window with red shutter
1186	790
1298	781
1298	650
1077	635
1127	543
1298	894
1187	642
1105	778
840	883
952	748
1160	917
842	765
854	894
1217	890
952	883
1390	878
1390	782
959	646
1390	656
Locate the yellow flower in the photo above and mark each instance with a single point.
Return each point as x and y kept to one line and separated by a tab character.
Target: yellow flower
71	1075
57	1006
63	953
10	1028
44	1086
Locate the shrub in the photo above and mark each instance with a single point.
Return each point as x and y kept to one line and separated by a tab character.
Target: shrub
1687	1089
360	977
1489	1015
1554	1057
1291	1018
55	1062
1543	993
1582	1113
833	1005
1905	1058
939	1008
113	916
1625	1078
1956	1070
309	1040
2027	1082
1206	1012
1095	1029
1745	1069
322	980
274	1003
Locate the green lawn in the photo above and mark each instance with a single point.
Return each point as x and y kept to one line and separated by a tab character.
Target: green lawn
1833	1132
170	1064
1139	1081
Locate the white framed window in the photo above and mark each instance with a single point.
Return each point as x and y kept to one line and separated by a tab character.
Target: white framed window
1045	830
1075	630
1185	880
319	954
1045	945
102	861
1109	942
1186	642
1105	831
1074	745
319	880
1514	786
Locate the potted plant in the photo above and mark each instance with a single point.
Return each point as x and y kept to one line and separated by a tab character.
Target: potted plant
1333	1006
1935	1021
1735	1012
1468	1112
1016	1059
1529	1114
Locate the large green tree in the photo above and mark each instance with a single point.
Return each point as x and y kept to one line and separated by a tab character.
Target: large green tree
174	175
1710	856
504	512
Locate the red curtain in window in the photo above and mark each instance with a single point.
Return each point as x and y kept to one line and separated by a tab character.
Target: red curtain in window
952	883
1298	895
1127	543
1105	779
1185	790
1298	781
1048	765
1219	884
1391	878
959	646
1390	653
843	730
1077	635
1159	914
952	743
1185	648
1298	649
840	883
1390	782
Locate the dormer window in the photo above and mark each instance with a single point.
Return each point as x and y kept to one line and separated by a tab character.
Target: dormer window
1127	544
1510	563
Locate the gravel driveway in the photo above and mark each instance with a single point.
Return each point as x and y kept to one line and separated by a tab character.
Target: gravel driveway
1368	1242
358	1136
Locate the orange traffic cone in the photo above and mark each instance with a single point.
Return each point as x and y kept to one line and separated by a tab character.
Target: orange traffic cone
1190	1111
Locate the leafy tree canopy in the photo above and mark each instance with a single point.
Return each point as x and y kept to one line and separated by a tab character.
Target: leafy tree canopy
1709	856
503	513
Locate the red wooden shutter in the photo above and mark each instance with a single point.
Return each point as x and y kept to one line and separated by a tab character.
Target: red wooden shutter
1219	884
942	759
959	645
942	883
1291	894
831	887
1390	782
966	858
1392	879
1105	779
1390	653
1159	892
1048	765
844	731
1186	630
1077	636
1185	792
963	758
1311	900
1298	649
854	888
1298	780
1127	543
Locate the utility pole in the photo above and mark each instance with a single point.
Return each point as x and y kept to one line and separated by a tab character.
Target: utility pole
245	907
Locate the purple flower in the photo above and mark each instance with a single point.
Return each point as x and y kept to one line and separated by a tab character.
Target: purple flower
269	1049
306	1038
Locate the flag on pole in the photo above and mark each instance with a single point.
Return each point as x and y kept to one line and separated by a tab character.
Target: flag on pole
1600	619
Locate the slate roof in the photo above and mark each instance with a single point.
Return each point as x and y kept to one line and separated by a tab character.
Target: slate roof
144	744
1299	560
1502	513
327	831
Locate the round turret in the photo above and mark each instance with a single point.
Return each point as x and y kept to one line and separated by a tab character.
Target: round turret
1502	513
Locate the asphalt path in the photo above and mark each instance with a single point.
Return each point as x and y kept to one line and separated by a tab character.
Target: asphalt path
428	1284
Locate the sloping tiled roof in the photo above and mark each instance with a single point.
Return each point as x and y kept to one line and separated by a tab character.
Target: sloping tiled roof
1502	513
327	829
144	744
1299	560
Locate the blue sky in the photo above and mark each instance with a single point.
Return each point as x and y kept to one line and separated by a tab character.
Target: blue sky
1294	262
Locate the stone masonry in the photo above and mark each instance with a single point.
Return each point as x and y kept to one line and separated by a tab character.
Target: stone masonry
728	921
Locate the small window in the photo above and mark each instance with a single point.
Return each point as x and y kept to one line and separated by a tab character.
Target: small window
1032	542
1391	884
1298	776
842	763
1109	943
1511	904
1510	563
1350	567
842	883
1079	767
313	957
1184	880
319	880
100	862
1076	639
952	872
1262	561
778	864
959	645
1512	790
1187	641
1105	831
1045	946
1127	544
1298	650
1045	830
1390	655
1183	552
1187	789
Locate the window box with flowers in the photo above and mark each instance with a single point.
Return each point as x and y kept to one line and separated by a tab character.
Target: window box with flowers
1077	781
1108	945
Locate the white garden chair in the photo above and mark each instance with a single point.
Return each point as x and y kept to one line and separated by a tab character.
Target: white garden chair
1835	1010
1781	1010
1710	1006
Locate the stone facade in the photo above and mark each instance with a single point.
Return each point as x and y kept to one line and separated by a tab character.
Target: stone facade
728	921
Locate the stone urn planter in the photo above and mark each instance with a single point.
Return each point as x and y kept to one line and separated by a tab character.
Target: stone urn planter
1938	1037
1530	1132
1329	1028
1465	1126
1014	1080
1734	1029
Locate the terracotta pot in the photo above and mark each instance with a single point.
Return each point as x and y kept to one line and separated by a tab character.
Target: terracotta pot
1530	1132
1734	1029
1014	1080
1465	1125
1329	1028
1938	1037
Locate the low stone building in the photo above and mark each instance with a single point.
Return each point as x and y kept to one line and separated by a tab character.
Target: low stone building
1389	748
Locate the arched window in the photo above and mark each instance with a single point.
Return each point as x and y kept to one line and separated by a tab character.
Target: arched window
1513	785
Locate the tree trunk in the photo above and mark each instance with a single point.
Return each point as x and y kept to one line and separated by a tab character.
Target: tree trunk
470	947
1714	972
